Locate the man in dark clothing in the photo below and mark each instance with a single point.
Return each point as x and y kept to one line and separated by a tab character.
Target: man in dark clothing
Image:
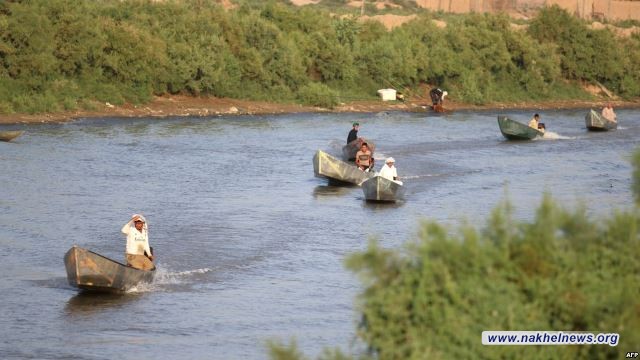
437	96
353	134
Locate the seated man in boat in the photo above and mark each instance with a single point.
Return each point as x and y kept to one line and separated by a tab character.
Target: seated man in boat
138	252
353	134
608	113
536	124
389	170
364	158
437	98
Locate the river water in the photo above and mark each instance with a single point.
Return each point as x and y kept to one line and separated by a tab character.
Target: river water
250	245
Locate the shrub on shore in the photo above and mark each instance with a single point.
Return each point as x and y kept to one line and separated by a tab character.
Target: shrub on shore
591	55
61	54
316	94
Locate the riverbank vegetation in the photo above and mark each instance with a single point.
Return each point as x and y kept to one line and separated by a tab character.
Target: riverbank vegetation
564	271
68	54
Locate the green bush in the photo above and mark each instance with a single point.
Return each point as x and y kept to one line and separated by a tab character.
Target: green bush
586	54
129	51
560	272
317	94
5	108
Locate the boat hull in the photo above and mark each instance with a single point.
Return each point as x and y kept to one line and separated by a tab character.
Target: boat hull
350	150
381	189
335	170
9	135
513	130
595	122
90	271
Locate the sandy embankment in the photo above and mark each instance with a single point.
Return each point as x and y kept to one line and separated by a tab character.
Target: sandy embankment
178	106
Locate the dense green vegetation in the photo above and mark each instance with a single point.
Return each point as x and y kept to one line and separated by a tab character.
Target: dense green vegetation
563	271
67	54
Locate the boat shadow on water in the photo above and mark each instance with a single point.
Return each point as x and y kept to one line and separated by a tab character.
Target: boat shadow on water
332	190
87	303
380	205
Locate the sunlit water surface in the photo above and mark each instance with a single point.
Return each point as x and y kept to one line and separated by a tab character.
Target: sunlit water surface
250	245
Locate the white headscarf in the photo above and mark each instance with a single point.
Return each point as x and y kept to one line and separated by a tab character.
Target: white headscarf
141	218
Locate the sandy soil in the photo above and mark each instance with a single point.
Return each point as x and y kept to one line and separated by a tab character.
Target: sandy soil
389	21
179	106
620	32
380	5
304	2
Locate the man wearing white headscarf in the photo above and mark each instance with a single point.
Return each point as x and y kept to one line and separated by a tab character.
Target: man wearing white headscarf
608	113
138	252
389	171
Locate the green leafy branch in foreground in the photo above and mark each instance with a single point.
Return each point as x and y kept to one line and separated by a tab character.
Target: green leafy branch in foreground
563	271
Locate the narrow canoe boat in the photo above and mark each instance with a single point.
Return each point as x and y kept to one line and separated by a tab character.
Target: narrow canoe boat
514	130
9	135
378	188
350	150
596	122
327	166
438	108
90	271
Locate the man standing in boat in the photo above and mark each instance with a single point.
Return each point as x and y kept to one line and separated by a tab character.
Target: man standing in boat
536	124
364	158
353	134
608	113
138	252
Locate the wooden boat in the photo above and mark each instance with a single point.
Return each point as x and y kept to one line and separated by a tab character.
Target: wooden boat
327	166
9	135
514	130
596	122
438	108
87	270
350	150
378	188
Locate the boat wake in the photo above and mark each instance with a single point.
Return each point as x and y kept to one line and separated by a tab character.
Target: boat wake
550	135
408	177
379	156
166	278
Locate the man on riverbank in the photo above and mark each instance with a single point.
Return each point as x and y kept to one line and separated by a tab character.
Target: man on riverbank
437	98
138	252
608	113
353	134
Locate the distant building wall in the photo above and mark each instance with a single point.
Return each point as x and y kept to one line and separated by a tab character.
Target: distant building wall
606	9
465	6
625	10
459	6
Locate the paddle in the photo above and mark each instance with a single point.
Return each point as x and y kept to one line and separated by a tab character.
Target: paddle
150	257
